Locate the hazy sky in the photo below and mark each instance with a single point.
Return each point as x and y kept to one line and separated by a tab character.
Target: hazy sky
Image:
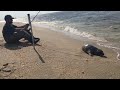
18	14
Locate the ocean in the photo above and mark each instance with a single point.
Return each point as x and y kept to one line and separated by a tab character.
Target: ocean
100	27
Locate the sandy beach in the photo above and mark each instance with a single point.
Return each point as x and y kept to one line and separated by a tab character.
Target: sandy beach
63	56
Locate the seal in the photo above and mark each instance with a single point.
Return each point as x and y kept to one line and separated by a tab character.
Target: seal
92	50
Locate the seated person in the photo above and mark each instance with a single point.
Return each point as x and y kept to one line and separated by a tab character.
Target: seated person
12	33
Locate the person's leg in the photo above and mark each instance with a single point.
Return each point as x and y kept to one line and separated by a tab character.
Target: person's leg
28	31
36	39
22	34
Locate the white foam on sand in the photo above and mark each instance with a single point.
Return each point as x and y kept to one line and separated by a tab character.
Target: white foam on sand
23	20
83	34
2	21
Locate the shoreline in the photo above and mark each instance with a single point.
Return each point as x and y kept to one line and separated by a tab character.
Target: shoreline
63	56
102	42
83	39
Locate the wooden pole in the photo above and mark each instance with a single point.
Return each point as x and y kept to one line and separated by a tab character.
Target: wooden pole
33	39
31	30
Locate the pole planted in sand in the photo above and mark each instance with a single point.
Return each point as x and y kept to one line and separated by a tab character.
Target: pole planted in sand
33	39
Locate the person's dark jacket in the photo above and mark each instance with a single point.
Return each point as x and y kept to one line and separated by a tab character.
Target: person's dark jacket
8	31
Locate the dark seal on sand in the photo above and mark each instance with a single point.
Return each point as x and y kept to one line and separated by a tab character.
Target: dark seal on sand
92	50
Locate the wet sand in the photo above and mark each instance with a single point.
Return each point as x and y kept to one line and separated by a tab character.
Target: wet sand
63	56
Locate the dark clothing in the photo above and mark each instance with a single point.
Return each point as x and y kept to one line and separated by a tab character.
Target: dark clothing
11	35
8	31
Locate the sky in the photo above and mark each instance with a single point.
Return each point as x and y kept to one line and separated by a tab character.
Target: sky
20	14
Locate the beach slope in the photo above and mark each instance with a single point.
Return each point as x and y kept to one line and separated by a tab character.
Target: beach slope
63	57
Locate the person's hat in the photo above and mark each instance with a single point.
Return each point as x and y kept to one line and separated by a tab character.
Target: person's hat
8	17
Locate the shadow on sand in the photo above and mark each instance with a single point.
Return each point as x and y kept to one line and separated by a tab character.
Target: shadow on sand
18	45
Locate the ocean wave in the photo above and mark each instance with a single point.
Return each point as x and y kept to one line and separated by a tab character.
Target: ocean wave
113	47
84	34
70	30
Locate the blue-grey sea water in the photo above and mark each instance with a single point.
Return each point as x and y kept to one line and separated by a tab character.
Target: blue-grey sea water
102	27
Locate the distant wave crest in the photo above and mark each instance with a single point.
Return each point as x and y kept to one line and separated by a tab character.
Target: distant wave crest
83	34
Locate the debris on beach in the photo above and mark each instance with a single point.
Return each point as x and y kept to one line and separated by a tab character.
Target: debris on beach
118	56
7	69
83	72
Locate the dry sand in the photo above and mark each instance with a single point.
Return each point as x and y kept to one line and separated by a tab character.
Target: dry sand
63	58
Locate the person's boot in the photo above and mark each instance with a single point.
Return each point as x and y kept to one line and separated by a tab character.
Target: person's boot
36	40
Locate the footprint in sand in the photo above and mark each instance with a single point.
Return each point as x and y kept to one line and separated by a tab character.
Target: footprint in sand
6	70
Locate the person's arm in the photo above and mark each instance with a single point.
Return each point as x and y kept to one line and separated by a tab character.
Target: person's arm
22	27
